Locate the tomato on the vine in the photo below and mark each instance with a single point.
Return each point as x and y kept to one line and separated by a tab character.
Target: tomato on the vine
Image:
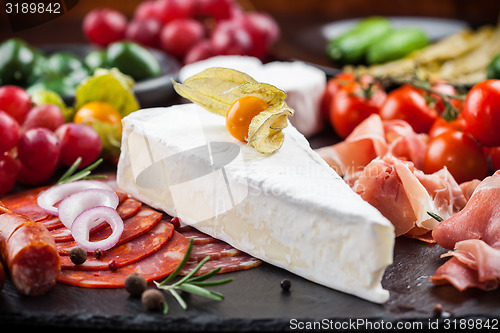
354	103
332	87
446	89
441	125
495	157
460	153
241	113
481	112
409	103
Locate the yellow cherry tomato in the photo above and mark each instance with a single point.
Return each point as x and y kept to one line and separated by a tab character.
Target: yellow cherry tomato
241	113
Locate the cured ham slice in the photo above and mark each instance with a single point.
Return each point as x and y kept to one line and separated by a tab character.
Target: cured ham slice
404	194
474	236
374	138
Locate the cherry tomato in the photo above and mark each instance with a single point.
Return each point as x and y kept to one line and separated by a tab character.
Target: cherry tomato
15	101
351	105
8	173
409	103
103	26
495	157
332	87
241	113
446	89
440	126
481	112
460	153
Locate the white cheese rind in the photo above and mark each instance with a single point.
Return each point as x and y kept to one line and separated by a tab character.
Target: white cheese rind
304	84
289	209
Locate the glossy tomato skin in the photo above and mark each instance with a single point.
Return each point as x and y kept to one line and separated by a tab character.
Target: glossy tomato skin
481	112
441	125
446	89
350	106
460	153
495	158
408	103
332	87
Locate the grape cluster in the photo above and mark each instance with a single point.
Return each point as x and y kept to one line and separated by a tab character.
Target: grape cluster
190	30
35	140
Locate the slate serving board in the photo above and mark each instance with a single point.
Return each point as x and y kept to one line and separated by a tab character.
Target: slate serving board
254	301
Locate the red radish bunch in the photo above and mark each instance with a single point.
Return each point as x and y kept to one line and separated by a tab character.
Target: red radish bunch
35	140
190	30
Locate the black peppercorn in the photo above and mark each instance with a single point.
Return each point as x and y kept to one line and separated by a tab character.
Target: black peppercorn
78	255
135	284
152	299
285	284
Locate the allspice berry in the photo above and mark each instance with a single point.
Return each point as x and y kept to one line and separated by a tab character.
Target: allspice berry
77	255
135	284
152	299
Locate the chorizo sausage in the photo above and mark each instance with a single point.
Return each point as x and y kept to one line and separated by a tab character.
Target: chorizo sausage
28	252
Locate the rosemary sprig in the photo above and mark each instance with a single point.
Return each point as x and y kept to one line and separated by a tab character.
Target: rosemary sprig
435	216
70	174
190	283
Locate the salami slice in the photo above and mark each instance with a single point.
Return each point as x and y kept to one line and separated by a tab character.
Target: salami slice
198	237
135	226
214	250
128	208
127	253
52	223
227	264
156	266
24	203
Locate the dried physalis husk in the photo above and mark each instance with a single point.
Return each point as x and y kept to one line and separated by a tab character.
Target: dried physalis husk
216	89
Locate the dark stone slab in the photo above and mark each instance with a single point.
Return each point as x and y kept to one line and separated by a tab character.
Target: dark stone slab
255	301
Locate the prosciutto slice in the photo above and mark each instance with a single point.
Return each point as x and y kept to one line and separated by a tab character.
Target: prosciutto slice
404	194
474	236
374	138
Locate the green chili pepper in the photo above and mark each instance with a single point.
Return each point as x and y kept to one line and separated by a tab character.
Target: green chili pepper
351	47
397	45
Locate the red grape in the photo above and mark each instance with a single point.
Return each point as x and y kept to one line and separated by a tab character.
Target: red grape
39	149
78	140
9	132
179	36
8	173
15	101
144	31
103	26
218	9
229	38
30	177
48	116
202	50
146	10
169	10
263	30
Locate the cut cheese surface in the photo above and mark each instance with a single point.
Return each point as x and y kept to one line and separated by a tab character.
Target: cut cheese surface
289	209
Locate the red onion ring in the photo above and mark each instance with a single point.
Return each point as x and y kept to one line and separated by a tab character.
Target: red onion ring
85	221
48	198
76	203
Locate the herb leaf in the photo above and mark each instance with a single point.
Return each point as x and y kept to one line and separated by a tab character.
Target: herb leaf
70	175
190	283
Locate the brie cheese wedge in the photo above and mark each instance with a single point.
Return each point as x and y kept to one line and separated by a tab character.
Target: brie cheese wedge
289	209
